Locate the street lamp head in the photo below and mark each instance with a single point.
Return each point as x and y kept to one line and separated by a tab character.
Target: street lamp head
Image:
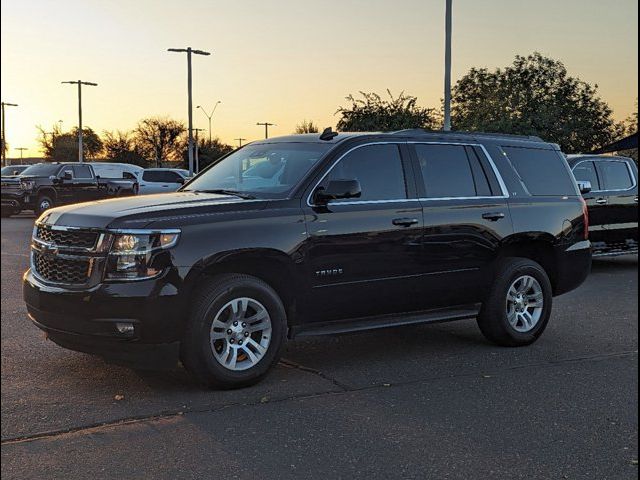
9	104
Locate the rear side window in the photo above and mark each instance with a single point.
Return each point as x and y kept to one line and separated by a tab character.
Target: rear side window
543	172
379	170
451	171
586	172
82	171
162	176
615	175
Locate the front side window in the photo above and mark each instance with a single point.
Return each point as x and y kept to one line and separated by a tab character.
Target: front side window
379	170
586	172
263	170
615	175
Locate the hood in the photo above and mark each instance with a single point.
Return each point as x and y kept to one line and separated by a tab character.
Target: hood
169	209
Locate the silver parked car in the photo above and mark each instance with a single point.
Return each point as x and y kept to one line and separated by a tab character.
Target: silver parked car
161	180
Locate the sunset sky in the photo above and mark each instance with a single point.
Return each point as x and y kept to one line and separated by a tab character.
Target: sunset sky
283	61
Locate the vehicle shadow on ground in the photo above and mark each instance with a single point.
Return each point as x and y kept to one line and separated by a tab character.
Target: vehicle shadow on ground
614	264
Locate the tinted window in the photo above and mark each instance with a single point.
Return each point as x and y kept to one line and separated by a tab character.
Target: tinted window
152	176
543	172
162	176
379	170
448	172
129	176
615	175
82	171
586	172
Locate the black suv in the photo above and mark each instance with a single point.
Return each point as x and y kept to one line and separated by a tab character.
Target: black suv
308	235
610	188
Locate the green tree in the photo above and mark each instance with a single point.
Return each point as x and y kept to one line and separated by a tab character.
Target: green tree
159	139
373	113
306	127
121	147
631	123
58	146
534	96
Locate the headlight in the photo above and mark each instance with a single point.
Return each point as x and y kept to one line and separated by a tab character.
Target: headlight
27	185
138	254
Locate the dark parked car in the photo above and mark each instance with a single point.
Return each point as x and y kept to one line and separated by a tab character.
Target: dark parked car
348	232
13	170
610	186
45	185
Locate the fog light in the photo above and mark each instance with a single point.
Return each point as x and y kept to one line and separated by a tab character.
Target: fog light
125	328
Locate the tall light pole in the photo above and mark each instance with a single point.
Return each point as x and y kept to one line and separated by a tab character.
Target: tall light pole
209	116
197	157
21	149
189	51
447	67
266	127
240	140
4	134
80	83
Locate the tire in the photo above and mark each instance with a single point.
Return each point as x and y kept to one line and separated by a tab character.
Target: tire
45	202
204	346
503	318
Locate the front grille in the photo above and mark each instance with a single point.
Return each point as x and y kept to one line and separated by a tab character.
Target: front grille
61	270
67	238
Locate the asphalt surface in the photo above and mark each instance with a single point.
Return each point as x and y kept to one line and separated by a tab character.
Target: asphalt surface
431	401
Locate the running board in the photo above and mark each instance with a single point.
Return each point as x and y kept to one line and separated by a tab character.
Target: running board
460	312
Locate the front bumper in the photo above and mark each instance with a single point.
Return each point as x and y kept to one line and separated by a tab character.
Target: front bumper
13	201
87	320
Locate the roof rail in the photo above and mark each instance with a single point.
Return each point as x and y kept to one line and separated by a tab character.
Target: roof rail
421	131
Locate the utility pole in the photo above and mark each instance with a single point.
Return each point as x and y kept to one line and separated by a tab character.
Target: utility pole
197	158
209	116
447	67
189	51
80	83
4	134
266	127
22	149
240	140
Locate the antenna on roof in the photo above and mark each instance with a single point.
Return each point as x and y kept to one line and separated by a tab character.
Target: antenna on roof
328	134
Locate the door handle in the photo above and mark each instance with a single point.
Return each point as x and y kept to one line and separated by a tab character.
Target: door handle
404	222
602	201
493	216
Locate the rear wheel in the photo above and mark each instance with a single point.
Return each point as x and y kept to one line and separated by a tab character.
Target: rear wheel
45	202
236	332
517	309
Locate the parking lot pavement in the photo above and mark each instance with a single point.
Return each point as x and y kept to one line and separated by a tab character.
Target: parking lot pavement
416	402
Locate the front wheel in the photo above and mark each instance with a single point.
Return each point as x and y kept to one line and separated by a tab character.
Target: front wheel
45	202
518	307
236	332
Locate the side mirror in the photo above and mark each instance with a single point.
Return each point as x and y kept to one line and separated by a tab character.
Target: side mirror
67	176
180	181
584	186
337	189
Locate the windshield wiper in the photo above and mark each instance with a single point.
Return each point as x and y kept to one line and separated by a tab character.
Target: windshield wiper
224	191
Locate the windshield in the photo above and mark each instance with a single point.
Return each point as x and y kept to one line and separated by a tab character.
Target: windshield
41	170
261	170
11	170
